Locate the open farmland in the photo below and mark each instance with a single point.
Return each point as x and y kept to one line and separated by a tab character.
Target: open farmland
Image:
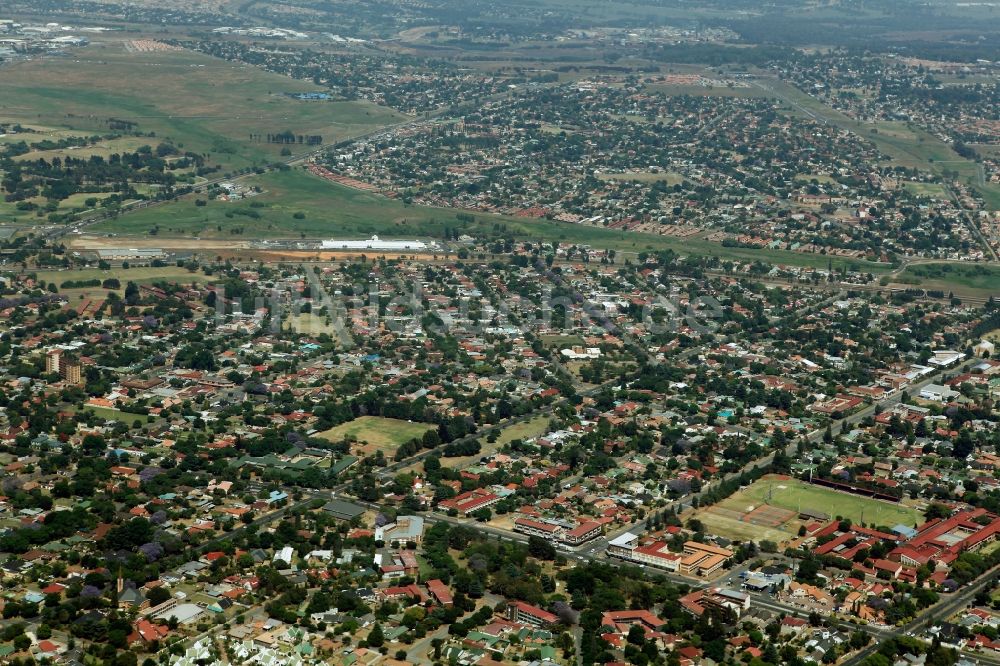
201	103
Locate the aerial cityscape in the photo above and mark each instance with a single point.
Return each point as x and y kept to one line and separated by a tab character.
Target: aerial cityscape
495	332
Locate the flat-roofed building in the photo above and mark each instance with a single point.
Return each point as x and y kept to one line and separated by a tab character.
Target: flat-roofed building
71	371
53	360
130	254
405	530
373	243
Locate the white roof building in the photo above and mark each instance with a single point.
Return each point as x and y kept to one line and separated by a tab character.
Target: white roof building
373	243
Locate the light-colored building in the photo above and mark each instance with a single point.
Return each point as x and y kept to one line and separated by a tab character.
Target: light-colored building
52	361
405	530
71	371
373	243
703	559
130	254
937	393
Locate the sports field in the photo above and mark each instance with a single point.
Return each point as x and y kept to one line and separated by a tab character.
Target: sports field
769	509
375	433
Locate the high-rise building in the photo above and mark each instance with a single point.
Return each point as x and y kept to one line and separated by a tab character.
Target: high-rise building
71	371
52	361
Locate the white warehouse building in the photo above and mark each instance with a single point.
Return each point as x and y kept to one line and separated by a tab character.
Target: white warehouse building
373	243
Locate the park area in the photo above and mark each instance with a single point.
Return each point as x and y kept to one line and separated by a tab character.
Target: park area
769	509
375	433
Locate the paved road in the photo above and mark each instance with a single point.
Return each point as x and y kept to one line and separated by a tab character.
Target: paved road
595	549
940	611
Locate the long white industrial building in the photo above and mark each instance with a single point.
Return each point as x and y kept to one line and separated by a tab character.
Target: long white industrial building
373	243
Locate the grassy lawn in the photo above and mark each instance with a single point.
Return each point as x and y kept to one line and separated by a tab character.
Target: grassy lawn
139	275
645	177
975	276
534	427
560	341
819	178
111	414
716	522
705	91
202	103
310	324
125	144
795	495
987	149
10	214
933	190
726	517
334	211
377	433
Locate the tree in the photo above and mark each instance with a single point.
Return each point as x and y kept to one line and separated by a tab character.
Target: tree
375	637
936	510
157	596
436	643
540	548
808	569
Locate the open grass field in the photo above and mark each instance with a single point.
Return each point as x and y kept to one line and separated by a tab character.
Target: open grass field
35	133
104	148
645	177
795	495
139	275
111	414
533	427
819	178
719	521
771	492
376	433
932	190
987	149
202	103
310	324
705	91
551	340
331	210
975	276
